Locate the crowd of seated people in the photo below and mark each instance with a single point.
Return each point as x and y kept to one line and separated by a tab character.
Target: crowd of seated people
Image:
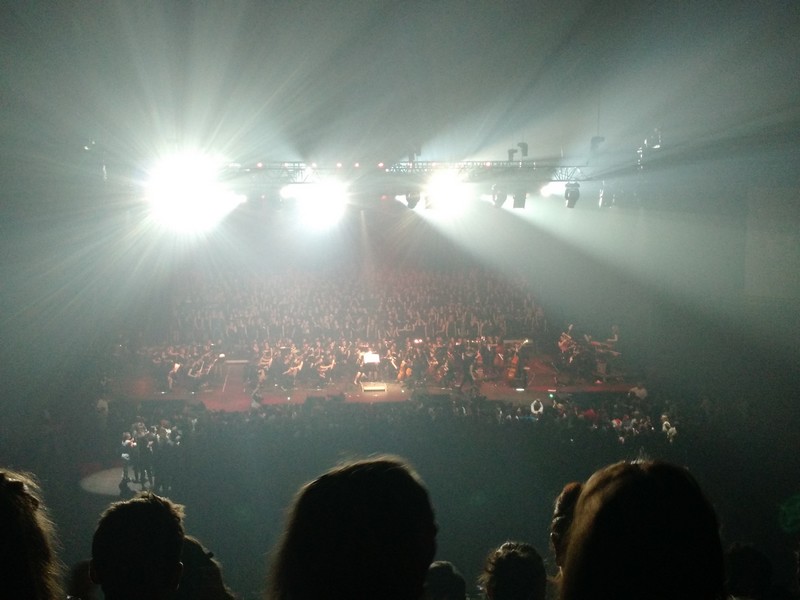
418	328
309	354
382	304
422	326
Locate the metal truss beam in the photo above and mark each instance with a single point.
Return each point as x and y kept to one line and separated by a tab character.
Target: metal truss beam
409	173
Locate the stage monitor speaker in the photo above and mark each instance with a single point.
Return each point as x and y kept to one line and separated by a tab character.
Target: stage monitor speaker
373	386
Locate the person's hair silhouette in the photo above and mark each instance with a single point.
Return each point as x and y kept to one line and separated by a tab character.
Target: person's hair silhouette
361	531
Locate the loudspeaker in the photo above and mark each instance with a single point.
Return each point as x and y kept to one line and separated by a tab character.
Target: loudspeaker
373	386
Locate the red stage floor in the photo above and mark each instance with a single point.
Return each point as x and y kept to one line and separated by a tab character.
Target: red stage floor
229	392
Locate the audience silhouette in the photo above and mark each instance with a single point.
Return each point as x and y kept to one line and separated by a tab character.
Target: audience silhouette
79	582
748	572
444	582
29	564
136	549
361	531
514	571
563	513
643	529
202	574
366	529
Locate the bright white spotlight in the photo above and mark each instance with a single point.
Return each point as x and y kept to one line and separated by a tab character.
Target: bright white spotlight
185	194
552	188
447	191
319	205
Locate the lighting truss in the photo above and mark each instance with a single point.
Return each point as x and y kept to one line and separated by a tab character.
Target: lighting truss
517	172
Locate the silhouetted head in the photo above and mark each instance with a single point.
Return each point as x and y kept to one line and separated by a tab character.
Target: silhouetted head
643	530
444	582
361	531
29	566
563	511
514	571
80	584
749	571
202	574
136	549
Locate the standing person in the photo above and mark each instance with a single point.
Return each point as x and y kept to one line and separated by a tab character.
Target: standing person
362	531
128	448
469	379
29	566
136	549
146	446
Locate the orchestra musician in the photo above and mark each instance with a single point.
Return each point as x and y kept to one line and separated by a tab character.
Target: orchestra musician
446	370
469	379
609	346
326	365
566	342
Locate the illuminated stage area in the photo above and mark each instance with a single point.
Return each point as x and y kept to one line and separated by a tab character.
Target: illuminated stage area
512	242
229	391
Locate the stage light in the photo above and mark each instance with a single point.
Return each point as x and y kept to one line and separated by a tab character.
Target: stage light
412	199
319	205
499	196
185	194
445	191
519	198
572	192
552	188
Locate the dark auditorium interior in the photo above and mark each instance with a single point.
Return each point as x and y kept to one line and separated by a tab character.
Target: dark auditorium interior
510	242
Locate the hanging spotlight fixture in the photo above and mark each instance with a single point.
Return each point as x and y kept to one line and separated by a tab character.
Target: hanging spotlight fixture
572	192
499	196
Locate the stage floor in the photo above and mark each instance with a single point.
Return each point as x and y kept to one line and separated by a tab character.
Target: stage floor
230	392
